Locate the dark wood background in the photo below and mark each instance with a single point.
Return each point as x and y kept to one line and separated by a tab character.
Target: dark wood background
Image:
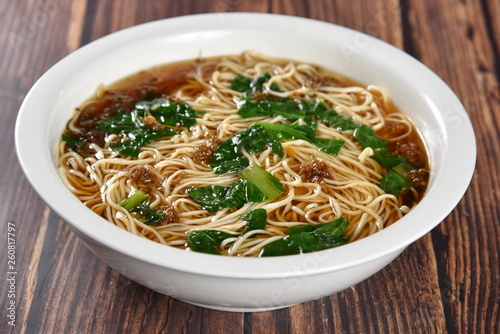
448	281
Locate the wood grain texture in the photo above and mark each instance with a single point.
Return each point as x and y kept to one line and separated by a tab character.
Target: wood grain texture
467	252
446	282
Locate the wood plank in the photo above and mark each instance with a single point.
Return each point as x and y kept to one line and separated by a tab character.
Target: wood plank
116	15
459	49
409	283
380	19
262	322
27	26
219	322
491	13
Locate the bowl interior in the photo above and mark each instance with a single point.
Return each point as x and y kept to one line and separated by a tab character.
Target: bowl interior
432	106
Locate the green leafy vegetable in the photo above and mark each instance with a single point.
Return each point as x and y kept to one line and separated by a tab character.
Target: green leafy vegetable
301	228
229	158
139	203
308	129
393	183
403	167
241	84
305	132
330	116
252	140
286	108
207	241
134	133
331	146
269	106
250	87
168	112
257	185
256	220
76	145
367	138
307	239
278	132
300	239
215	198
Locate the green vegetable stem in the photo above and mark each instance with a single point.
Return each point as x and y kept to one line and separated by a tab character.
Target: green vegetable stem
139	203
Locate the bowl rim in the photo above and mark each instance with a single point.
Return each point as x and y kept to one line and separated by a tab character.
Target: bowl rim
457	140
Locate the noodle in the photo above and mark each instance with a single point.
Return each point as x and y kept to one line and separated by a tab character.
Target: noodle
351	189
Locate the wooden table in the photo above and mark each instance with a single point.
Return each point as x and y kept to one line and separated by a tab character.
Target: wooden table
448	281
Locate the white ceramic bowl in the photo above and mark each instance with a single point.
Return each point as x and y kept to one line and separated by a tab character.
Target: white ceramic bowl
246	284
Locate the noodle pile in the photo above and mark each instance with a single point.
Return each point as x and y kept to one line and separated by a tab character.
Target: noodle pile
350	190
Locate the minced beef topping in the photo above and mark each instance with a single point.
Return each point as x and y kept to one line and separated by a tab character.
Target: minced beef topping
145	178
204	152
314	171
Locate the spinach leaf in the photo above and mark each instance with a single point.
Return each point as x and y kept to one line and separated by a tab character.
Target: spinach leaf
215	198
301	228
228	157
285	107
74	144
207	241
257	185
169	112
367	138
393	183
256	220
306	239
249	87
139	203
241	84
229	166
257	85
133	132
130	143
298	243
308	129
308	111
120	122
334	229
331	146
331	117
278	132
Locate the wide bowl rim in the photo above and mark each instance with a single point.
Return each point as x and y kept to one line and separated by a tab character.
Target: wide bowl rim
401	234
